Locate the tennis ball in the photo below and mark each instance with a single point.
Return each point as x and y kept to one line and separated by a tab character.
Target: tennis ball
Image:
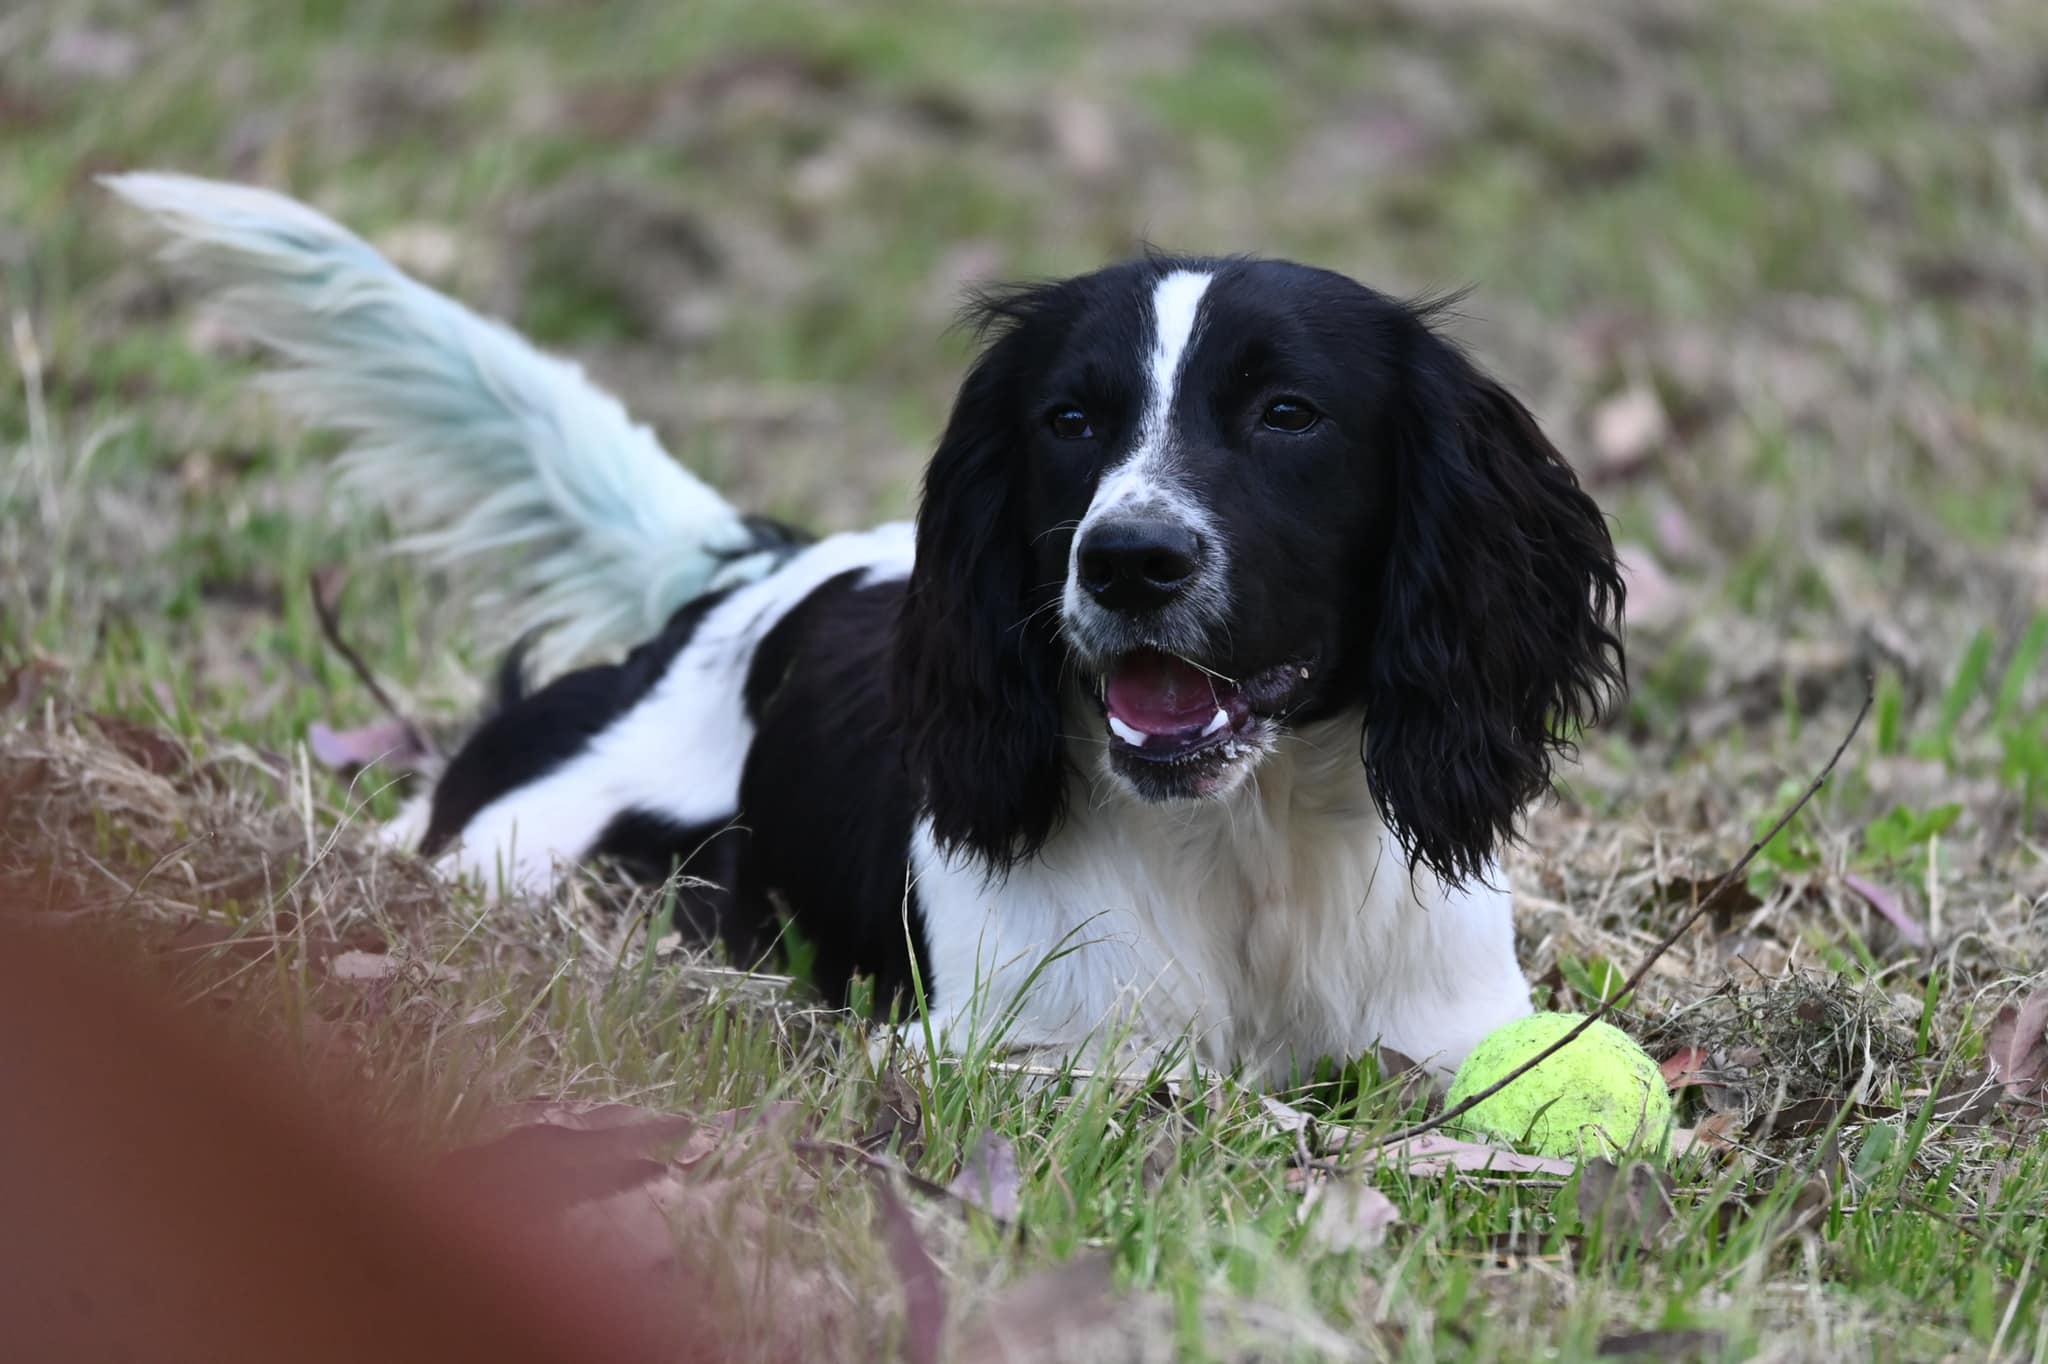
1600	1096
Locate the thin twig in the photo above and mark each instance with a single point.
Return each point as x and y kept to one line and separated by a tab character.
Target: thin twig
1706	902
887	1167
330	626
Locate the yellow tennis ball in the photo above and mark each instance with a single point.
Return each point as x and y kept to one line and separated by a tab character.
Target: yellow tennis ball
1600	1096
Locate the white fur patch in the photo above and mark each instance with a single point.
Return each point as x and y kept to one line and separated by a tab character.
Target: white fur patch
1272	926
679	753
1176	307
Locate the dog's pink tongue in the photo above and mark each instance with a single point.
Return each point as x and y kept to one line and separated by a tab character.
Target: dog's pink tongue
1160	694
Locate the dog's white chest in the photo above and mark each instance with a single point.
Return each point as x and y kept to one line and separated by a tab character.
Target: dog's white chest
1273	926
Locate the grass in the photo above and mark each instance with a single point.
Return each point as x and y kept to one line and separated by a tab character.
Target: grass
1813	231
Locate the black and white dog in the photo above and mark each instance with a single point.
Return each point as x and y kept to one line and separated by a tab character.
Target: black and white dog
1241	617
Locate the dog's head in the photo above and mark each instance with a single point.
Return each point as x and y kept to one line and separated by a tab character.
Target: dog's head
1199	503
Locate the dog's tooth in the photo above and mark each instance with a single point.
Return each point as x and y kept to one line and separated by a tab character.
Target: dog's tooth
1134	737
1222	719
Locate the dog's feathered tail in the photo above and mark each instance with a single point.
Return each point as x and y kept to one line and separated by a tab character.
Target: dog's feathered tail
491	457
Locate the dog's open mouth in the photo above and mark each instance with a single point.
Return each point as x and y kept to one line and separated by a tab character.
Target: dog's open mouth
1164	707
1176	727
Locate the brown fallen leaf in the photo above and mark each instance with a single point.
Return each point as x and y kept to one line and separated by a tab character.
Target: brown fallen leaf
988	1178
1969	1102
898	1118
601	1147
1805	1117
1685	892
1686	1067
388	743
1627	428
1346	1214
1433	1154
573	1163
1716	1131
630	1229
1284	1119
1629	1204
1810	1205
359	967
924	1286
2017	1048
25	683
1890	908
1042	1316
1656	600
152	750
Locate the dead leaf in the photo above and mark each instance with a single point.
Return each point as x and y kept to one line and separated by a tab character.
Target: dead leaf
425	250
2017	1048
1686	892
360	967
1676	535
390	743
631	1228
1395	1065
25	684
1283	1119
988	1178
1039	1317
1808	1116
152	750
1630	1204
1716	1131
1083	136
898	1119
1432	1154
1810	1205
924	1287
1627	428
1680	1343
1346	1214
1656	600
1969	1102
599	1145
1888	905
570	1165
1162	1156
1686	1067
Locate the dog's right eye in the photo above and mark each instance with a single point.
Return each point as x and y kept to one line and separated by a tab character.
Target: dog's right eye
1070	423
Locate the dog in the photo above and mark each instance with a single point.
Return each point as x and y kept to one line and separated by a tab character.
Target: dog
1242	616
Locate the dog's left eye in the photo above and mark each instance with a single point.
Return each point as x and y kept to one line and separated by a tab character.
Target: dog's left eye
1070	423
1291	415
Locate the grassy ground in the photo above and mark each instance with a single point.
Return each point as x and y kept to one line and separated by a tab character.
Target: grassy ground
1776	275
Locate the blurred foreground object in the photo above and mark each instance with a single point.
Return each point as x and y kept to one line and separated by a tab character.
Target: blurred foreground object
172	1191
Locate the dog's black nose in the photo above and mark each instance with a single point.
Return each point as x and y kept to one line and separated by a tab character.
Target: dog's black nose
1138	563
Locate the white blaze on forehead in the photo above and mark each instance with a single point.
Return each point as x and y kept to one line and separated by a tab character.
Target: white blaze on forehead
1176	300
1176	306
1146	482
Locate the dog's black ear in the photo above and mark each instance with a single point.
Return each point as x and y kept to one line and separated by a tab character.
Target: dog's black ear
1499	614
975	683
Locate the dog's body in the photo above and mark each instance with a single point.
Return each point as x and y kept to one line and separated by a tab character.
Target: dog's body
1241	617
